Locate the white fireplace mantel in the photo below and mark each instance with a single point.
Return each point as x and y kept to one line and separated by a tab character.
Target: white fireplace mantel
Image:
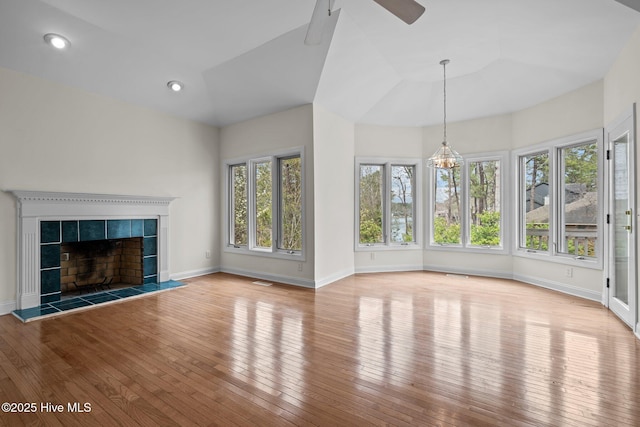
37	206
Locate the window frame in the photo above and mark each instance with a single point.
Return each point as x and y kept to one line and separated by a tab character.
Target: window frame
387	164
251	248
554	149
465	217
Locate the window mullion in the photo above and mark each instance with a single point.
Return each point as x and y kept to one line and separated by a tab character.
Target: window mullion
251	205
464	206
386	200
557	186
554	195
276	209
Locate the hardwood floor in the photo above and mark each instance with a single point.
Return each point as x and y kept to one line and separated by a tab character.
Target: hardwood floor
402	349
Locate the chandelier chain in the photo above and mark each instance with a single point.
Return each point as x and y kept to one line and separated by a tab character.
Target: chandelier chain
444	68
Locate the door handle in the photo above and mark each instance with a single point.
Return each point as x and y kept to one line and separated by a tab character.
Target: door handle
628	227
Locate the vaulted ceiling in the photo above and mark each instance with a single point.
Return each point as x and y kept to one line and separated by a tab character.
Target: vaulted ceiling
245	58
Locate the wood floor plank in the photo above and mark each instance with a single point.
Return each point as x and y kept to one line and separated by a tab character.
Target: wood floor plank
404	349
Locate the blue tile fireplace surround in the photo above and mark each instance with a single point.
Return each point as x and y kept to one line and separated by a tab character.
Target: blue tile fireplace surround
54	233
49	223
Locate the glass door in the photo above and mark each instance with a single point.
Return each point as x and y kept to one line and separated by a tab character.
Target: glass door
622	264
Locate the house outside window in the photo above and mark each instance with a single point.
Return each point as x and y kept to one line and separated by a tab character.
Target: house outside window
559	184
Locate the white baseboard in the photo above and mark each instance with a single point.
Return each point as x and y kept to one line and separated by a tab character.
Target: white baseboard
194	273
296	281
388	268
7	307
560	287
470	272
536	281
333	277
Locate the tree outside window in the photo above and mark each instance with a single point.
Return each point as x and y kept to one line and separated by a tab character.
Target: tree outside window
402	196
484	203
263	202
239	233
535	201
371	205
446	209
290	204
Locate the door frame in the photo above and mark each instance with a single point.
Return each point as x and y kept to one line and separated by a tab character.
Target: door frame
626	120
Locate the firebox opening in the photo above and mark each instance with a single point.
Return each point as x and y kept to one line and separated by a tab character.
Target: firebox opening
93	266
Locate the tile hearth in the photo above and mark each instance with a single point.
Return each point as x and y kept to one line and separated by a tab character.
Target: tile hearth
89	300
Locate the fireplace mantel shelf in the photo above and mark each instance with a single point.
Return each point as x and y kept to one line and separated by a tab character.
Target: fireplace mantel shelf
58	197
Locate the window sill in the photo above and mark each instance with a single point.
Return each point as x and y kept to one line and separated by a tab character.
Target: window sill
383	247
591	263
491	250
296	256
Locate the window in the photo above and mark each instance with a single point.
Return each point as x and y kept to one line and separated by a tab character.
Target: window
465	204
290	238
578	199
387	207
534	199
558	191
485	203
402	207
265	205
239	229
263	195
371	204
446	209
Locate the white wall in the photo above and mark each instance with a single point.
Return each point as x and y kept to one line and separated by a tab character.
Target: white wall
55	138
333	147
262	136
621	83
471	136
574	112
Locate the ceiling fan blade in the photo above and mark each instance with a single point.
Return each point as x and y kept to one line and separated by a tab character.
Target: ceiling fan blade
633	4
407	10
319	18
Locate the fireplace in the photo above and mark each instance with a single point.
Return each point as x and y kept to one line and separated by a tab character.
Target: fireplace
89	239
98	265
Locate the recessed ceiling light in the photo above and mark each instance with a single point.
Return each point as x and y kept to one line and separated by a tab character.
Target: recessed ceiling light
175	85
57	41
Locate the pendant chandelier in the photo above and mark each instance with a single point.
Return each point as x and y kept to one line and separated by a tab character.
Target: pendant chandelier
446	157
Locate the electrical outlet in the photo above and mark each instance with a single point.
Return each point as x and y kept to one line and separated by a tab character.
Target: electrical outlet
568	272
373	256
299	266
207	254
